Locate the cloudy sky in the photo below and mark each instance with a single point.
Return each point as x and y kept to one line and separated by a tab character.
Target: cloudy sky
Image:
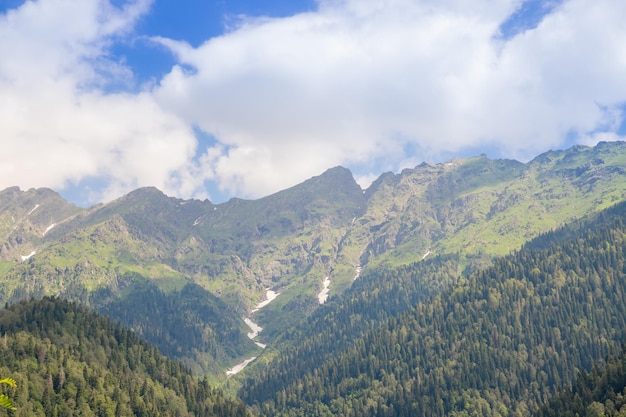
221	98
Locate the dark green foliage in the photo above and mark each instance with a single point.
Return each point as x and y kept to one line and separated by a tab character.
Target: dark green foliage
601	392
67	361
498	343
191	324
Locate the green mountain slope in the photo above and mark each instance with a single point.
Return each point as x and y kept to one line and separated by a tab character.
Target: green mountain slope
483	206
114	258
189	324
69	362
235	250
25	219
325	231
287	241
497	343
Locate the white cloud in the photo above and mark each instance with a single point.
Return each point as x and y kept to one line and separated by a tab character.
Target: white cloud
355	83
594	138
358	80
57	123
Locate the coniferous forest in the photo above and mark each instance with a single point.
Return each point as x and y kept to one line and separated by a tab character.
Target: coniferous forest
70	362
190	324
600	392
501	341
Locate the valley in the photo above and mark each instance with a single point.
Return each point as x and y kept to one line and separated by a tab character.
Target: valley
255	330
473	287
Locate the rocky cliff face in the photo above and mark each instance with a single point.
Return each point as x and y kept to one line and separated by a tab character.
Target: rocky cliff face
26	217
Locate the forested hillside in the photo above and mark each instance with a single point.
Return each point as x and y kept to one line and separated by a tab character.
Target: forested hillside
189	324
373	298
500	342
70	362
601	392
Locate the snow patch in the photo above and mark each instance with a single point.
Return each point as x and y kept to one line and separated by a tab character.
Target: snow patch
238	368
48	229
357	273
256	329
426	254
323	295
27	257
33	209
269	297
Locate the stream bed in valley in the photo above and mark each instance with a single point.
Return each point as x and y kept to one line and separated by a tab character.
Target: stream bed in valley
255	330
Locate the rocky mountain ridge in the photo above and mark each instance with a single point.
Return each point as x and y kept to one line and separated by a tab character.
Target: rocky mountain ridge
314	236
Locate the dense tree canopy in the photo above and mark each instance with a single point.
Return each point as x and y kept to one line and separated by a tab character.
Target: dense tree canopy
601	392
68	362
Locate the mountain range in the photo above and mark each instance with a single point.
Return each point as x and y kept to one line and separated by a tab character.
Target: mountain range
184	273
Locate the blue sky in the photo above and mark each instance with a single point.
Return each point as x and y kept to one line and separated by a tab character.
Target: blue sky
194	22
216	99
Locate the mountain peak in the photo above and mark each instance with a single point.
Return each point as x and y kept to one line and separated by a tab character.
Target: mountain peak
337	178
338	171
146	192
